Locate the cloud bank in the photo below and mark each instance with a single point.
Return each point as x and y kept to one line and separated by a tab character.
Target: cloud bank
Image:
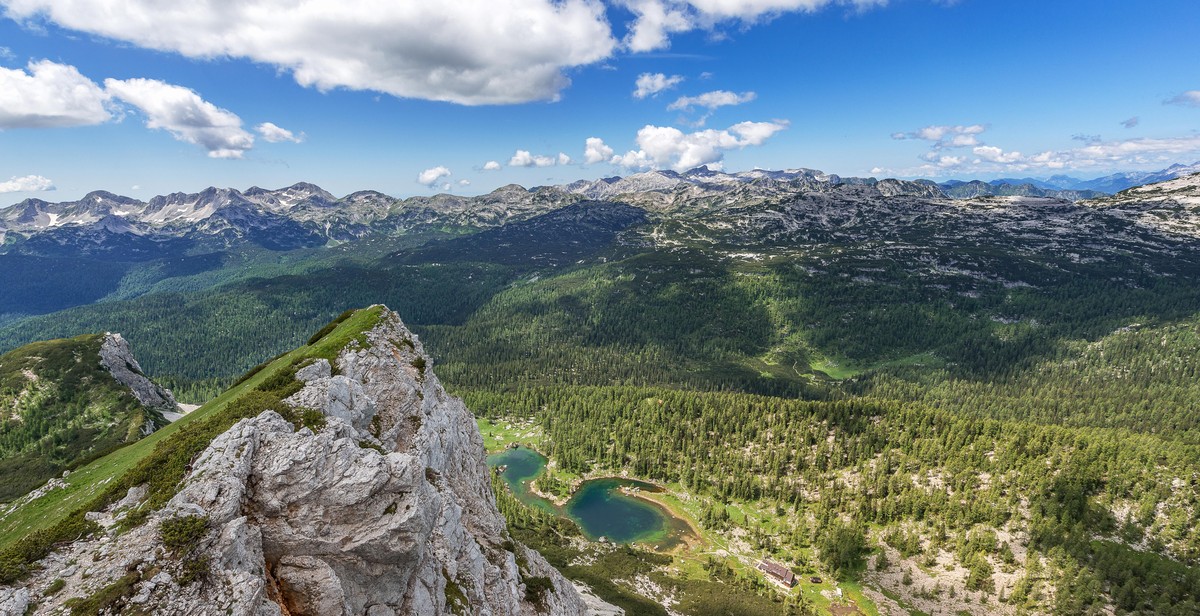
959	150
470	52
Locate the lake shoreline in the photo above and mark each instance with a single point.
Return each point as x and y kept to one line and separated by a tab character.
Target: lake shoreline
693	532
678	531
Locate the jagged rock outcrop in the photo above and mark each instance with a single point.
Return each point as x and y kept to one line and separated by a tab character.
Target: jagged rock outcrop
384	510
118	359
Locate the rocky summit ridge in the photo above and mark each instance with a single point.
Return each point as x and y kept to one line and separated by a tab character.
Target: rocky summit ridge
381	505
103	224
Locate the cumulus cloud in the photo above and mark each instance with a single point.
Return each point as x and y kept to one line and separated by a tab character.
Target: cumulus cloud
656	20
649	84
28	183
491	165
945	136
669	147
276	134
469	51
1191	98
1131	122
181	112
464	182
711	100
523	158
996	155
430	177
50	95
596	151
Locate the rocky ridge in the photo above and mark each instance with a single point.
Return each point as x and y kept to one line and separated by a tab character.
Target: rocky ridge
383	507
305	216
299	216
1171	207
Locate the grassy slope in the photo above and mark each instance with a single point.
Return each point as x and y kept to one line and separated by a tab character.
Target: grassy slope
88	482
69	410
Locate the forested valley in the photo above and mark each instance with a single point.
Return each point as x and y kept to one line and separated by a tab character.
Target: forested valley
1001	428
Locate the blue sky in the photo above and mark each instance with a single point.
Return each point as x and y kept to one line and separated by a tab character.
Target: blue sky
417	97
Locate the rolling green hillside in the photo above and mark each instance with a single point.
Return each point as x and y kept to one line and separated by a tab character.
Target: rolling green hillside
61	408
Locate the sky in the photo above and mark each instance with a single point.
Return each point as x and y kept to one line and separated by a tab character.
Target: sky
415	97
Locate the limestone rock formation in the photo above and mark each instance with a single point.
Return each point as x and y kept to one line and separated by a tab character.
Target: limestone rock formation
117	358
384	510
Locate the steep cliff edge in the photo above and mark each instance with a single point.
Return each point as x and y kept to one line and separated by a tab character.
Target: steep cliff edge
380	504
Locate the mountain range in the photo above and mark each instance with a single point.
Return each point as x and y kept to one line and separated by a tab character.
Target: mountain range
305	216
863	380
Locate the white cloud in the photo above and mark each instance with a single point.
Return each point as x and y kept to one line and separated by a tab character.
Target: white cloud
523	158
944	136
596	151
50	95
491	165
6	53
468	51
1094	154
430	177
656	20
1191	98
669	147
649	84
185	115
996	155
711	100
276	134
943	160
464	182
28	183
563	159
1131	122
1121	150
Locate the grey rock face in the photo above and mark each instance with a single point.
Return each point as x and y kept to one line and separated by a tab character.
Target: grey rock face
117	358
305	523
13	600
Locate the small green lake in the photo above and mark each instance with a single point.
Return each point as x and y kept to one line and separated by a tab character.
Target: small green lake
605	507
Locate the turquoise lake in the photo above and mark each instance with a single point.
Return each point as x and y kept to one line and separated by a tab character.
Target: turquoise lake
601	507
